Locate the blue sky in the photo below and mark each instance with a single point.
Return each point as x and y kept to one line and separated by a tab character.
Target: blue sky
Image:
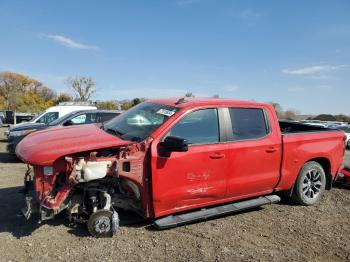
296	53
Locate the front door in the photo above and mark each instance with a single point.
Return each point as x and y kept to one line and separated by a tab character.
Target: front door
189	179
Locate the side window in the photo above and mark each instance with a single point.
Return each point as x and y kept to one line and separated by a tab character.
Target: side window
90	118
248	123
87	118
78	120
198	127
48	117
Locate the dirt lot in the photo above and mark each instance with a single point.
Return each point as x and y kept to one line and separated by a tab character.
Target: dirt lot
281	232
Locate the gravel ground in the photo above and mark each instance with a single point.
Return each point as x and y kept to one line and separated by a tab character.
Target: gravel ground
280	232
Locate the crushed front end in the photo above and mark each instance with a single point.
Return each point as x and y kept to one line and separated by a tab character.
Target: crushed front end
91	186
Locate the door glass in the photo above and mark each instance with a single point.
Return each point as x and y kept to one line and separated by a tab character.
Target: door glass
78	120
198	127
48	117
248	123
87	118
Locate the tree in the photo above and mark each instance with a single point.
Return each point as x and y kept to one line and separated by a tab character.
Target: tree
108	105
11	87
216	96
63	97
325	117
126	105
342	118
21	93
278	109
290	115
136	101
189	94
83	87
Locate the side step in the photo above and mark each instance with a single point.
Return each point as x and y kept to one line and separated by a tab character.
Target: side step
206	213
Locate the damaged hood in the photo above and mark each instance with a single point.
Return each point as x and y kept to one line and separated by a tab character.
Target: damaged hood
44	147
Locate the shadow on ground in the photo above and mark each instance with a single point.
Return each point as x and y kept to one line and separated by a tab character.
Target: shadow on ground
8	158
11	221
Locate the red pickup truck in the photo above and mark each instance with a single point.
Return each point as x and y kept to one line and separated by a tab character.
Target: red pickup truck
177	161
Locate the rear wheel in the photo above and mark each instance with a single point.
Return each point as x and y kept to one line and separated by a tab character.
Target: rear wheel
310	184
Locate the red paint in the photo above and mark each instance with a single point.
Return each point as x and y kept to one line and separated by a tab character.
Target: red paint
346	174
44	147
203	176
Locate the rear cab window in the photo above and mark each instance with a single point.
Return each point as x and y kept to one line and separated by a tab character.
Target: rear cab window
248	123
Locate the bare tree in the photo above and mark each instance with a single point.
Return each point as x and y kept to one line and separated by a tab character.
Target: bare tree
189	94
278	109
83	87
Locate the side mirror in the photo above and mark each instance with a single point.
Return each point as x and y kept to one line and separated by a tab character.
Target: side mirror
174	144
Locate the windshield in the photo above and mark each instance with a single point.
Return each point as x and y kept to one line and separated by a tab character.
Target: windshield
140	122
37	117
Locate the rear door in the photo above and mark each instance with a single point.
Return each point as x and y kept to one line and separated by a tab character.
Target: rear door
255	152
190	179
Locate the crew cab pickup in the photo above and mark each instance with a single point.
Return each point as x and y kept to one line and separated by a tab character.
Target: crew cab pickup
177	161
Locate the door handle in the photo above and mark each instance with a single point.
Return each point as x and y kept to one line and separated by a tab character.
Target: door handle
217	156
271	150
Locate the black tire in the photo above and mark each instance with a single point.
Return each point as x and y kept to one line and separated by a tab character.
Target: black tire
100	224
310	184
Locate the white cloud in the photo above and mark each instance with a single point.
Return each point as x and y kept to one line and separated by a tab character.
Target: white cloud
319	77
231	88
249	15
312	69
63	40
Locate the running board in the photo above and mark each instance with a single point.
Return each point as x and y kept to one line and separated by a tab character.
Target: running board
206	213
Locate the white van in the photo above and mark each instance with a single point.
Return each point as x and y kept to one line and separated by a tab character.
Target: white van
54	112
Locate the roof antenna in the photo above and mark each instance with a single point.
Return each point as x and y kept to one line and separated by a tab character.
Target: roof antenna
180	101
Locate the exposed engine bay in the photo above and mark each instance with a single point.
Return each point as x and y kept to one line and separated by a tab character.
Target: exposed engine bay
91	186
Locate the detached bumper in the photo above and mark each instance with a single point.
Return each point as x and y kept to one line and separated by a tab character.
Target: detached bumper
31	204
30	207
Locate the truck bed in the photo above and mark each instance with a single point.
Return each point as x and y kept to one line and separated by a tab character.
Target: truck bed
289	127
302	143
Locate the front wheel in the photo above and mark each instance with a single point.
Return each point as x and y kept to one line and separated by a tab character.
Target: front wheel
103	223
310	184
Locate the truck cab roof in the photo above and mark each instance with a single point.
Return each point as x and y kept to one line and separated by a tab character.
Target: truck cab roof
189	102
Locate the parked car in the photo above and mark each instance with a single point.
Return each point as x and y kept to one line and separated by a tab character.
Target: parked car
176	162
74	118
7	117
346	129
53	113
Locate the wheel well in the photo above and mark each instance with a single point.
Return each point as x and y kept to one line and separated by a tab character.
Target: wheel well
326	165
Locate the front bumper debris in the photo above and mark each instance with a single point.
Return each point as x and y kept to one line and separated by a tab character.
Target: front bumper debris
30	207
